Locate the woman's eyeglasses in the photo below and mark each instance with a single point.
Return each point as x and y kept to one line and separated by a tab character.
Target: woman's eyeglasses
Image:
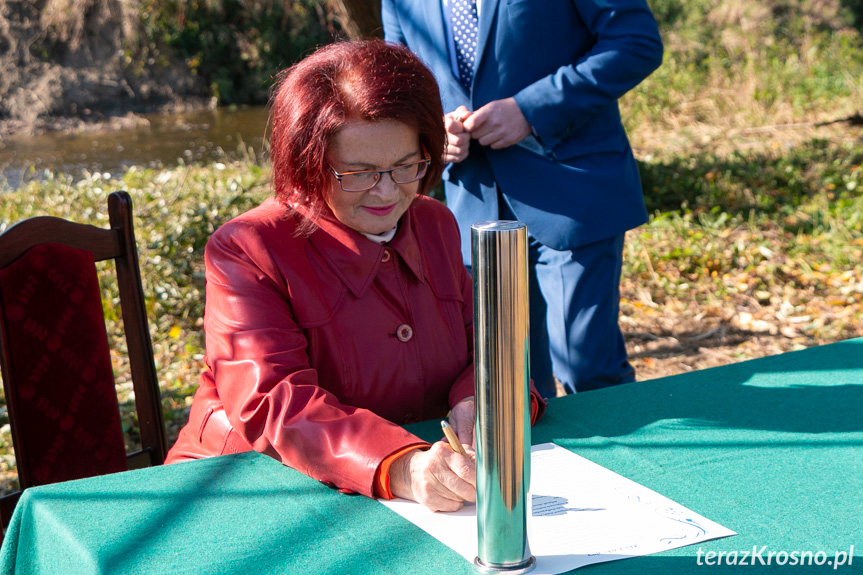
367	179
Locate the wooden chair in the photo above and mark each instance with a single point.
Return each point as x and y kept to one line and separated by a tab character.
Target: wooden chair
54	358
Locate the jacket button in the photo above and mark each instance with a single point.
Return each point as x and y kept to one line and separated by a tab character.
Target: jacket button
387	256
404	333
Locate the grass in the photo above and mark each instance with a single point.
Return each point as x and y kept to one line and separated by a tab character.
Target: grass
176	210
753	174
735	64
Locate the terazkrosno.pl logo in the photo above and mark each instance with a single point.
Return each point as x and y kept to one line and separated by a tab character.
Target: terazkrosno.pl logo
764	556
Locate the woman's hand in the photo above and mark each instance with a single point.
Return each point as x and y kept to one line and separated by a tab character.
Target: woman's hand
462	418
439	478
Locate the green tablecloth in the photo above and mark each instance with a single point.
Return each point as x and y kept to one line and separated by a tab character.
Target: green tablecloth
770	448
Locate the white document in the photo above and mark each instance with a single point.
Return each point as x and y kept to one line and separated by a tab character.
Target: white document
582	513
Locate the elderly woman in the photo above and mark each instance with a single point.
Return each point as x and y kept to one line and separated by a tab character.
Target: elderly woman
340	309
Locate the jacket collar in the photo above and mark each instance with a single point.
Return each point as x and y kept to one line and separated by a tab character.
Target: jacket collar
355	259
486	22
406	245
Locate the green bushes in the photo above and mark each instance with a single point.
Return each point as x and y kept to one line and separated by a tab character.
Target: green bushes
235	46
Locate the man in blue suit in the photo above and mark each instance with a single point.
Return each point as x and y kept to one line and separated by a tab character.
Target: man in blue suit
530	88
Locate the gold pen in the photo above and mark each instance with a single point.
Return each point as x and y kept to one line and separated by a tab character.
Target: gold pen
452	438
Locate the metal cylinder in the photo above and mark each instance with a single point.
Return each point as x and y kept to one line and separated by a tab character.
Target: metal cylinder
502	370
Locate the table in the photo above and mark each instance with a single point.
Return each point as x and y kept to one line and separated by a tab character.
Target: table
770	448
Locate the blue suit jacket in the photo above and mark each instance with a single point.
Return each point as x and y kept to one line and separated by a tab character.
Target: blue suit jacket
566	62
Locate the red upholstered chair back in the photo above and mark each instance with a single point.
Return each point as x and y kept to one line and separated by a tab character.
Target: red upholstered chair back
62	384
56	365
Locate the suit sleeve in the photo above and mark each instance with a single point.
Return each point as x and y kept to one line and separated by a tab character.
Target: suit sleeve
626	50
392	28
257	354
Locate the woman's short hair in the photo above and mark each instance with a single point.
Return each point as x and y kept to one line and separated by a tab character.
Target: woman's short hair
311	101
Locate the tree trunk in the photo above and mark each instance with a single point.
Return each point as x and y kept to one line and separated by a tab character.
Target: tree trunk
359	18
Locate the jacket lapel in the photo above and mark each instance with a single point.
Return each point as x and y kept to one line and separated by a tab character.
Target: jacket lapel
487	17
435	17
406	244
349	254
434	23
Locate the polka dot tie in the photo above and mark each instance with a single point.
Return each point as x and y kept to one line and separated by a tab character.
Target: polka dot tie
464	31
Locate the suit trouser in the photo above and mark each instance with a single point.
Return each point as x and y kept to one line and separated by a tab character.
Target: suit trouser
574	308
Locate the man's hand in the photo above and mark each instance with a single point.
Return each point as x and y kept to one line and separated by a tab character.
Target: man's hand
458	139
498	124
439	478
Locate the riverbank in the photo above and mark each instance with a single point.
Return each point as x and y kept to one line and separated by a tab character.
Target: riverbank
70	66
147	140
107	119
88	65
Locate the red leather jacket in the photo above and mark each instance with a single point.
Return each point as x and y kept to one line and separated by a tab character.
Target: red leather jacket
318	347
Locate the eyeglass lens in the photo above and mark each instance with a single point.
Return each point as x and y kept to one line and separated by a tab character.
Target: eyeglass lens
359	181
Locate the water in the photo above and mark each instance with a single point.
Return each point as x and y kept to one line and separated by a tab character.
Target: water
161	140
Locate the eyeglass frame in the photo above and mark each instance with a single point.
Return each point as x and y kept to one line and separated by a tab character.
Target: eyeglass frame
380	173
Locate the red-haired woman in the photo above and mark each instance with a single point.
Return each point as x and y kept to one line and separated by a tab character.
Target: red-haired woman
340	309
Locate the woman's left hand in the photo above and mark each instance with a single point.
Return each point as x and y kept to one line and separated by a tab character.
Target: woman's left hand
462	419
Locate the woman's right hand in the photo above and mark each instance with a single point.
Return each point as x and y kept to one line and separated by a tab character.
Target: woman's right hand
439	478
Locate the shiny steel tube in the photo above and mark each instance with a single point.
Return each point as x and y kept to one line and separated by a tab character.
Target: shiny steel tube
502	370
